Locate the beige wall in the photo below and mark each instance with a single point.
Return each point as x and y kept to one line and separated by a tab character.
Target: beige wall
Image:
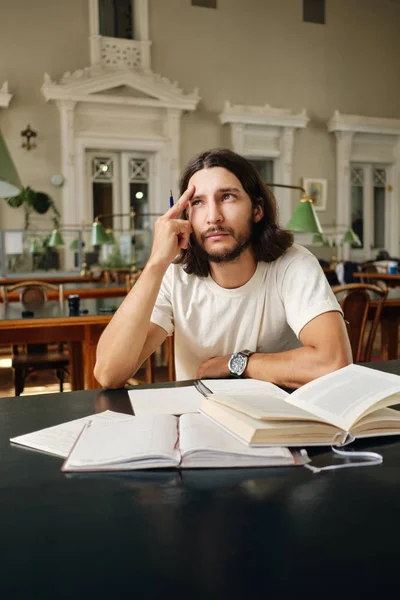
248	52
260	51
37	36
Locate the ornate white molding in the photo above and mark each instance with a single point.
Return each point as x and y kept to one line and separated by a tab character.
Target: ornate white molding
267	132
97	83
370	140
262	115
361	124
5	97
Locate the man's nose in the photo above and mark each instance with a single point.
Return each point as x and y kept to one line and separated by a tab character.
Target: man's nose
214	214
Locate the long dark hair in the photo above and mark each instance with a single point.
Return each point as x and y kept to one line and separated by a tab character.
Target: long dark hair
268	241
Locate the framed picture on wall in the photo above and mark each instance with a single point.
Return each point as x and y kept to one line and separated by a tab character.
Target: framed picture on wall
316	189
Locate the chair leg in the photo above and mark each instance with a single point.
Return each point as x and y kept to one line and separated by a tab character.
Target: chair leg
60	375
19	381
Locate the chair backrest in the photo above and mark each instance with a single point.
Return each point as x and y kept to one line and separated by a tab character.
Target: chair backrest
130	281
32	293
355	300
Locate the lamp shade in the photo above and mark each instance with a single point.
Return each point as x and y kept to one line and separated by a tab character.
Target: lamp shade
10	183
74	245
304	218
318	238
35	247
350	237
110	236
99	236
56	239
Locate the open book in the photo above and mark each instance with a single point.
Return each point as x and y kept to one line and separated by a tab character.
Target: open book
351	400
159	441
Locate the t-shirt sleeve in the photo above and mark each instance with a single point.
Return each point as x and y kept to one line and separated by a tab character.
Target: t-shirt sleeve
306	292
162	314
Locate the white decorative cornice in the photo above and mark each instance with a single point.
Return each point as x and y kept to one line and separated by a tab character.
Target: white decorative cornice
361	124
262	115
92	83
5	97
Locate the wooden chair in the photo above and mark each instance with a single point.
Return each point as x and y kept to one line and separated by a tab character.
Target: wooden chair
35	357
167	347
355	300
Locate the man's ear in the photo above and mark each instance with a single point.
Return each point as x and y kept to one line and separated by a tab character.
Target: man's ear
258	211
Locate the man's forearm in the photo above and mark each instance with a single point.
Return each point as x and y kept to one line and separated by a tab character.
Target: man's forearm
122	341
294	368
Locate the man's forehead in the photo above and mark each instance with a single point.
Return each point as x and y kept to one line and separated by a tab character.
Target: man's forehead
217	178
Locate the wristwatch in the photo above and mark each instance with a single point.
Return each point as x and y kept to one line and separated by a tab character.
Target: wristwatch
238	362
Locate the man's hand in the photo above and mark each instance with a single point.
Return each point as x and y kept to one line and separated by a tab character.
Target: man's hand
214	368
171	233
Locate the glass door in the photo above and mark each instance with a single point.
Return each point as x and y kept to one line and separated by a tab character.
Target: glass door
370	209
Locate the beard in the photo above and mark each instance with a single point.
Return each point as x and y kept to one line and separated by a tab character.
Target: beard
242	240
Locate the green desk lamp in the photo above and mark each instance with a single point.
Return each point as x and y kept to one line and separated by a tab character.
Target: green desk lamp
304	218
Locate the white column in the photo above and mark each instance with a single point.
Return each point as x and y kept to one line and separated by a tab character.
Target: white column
344	142
237	137
94	38
70	199
141	20
173	128
285	177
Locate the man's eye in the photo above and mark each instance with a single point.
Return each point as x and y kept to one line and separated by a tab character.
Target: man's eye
195	202
227	196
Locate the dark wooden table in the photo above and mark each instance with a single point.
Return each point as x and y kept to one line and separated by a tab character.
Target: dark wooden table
209	534
88	289
391	279
52	323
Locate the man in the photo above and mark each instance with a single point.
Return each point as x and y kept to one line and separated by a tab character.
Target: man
241	299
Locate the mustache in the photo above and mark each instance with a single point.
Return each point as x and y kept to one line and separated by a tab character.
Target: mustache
216	230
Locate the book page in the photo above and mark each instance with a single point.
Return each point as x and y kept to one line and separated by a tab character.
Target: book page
147	438
263	406
199	435
59	439
344	396
169	401
244	386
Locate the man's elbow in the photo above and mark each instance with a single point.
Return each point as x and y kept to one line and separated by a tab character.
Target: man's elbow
106	378
338	361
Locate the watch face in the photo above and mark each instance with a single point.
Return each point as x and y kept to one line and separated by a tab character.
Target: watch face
237	364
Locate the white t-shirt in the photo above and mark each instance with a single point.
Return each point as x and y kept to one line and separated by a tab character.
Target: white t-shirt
266	314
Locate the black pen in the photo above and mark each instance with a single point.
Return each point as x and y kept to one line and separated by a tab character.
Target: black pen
200	387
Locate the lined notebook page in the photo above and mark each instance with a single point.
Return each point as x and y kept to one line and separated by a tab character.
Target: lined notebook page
58	440
152	436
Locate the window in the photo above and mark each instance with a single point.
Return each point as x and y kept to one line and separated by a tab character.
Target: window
102	187
369	206
119	182
264	167
116	18
314	11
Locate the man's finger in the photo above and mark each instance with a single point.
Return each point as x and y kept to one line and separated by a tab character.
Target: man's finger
182	203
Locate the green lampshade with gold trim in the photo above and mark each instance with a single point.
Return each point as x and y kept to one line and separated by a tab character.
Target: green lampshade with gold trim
350	237
98	236
318	238
110	236
35	247
304	218
56	239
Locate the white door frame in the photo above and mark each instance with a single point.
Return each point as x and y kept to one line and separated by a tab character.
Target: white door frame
158	151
